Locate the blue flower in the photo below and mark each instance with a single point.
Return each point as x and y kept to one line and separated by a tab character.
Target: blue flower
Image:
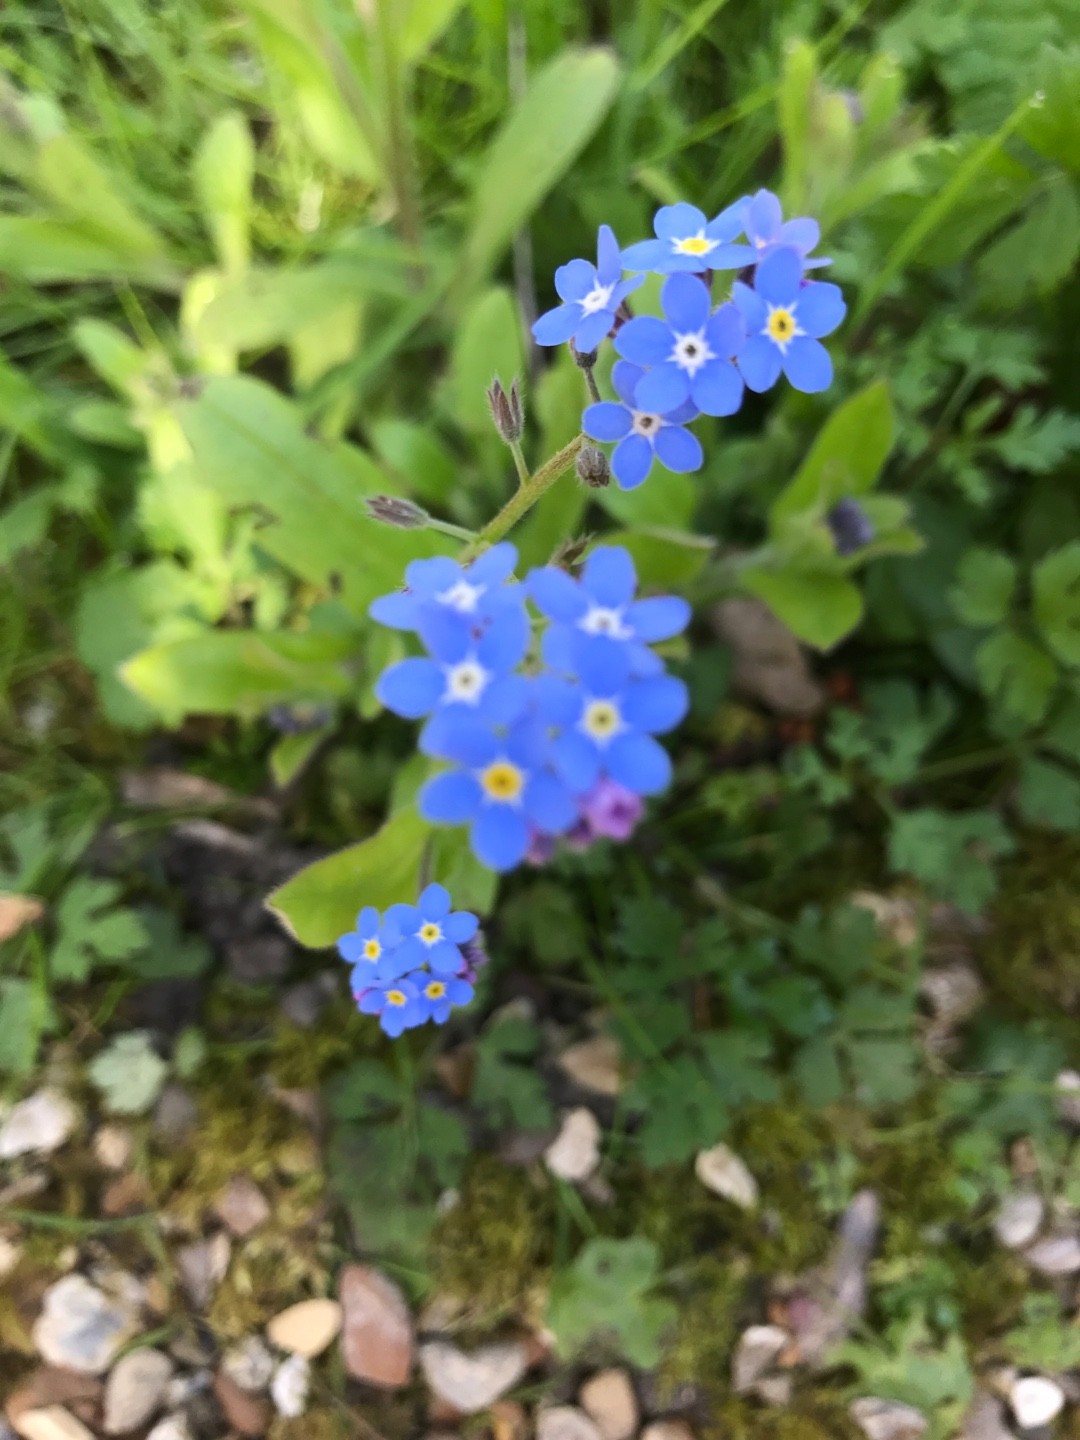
689	353
474	593
686	241
439	995
502	787
642	437
767	230
397	1003
608	718
592	294
602	603
785	317
431	933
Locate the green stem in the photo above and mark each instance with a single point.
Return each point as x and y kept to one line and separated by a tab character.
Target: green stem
446	527
524	499
591	385
519	462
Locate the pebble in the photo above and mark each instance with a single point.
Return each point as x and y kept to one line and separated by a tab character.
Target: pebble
134	1389
173	1427
242	1206
126	1195
724	1173
377	1335
565	1422
37	1125
985	1419
52	1423
305	1002
249	1363
1018	1219
1055	1255
307	1328
888	1419
113	1147
181	1388
594	1065
667	1430
80	1328
770	664
468	1383
50	1386
259	959
10	1255
202	1267
1036	1401
289	1387
609	1400
756	1351
575	1152
246	1413
1067	1086
176	1116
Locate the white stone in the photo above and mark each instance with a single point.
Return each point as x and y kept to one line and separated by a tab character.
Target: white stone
113	1147
575	1152
471	1382
81	1328
10	1255
249	1364
1035	1401
609	1401
1067	1086
565	1422
888	1419
173	1427
306	1328
202	1267
593	1064
289	1387
1018	1219
758	1347
52	1423
724	1173
1055	1255
134	1390
37	1125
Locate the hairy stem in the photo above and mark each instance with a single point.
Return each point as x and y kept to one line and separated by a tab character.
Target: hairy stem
519	463
524	499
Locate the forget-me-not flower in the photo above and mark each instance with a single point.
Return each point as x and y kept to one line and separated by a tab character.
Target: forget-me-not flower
432	932
475	593
591	295
686	240
439	994
642	436
766	230
689	353
397	1003
785	318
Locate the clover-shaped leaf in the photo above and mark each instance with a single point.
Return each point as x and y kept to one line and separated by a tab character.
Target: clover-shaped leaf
129	1074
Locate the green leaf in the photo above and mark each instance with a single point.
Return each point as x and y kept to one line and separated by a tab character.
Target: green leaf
417	458
846	458
85	933
53	252
506	1085
1048	794
1056	585
1037	254
422	23
985	584
951	852
488	344
1053	127
607	1293
322	901
816	1072
817	606
794	106
129	1073
1016	673
291	754
25	524
189	1053
541	139
170	953
223	172
680	1111
22	1021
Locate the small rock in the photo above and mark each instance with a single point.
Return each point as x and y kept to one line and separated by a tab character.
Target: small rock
307	1328
205	1415
305	1002
246	1413
831	1298
667	1430
249	1364
575	1152
887	1419
1067	1086
775	1389
594	1065
194	1345
289	1387
1036	1401
16	912
113	1147
135	1389
181	1388
953	993
80	1328
985	1419
1018	1219
127	1195
609	1400
721	1171
509	1421
758	1348
565	1422
895	914
38	1125
53	1423
202	1267
1055	1255
468	1383
10	1255
49	1386
259	959
770	665
176	1116
377	1338
173	1427
242	1206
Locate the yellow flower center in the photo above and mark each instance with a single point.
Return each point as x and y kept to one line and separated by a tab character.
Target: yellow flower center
601	719
502	781
430	932
396	997
372	950
694	245
435	990
781	325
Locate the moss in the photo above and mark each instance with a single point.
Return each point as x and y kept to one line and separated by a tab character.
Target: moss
710	1315
991	1288
779	1144
816	1416
912	1179
317	1425
304	1059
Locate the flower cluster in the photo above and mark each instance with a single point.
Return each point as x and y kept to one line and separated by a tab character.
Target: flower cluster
541	743
698	358
414	963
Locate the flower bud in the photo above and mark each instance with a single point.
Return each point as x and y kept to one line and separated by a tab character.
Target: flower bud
592	467
507	409
396	511
583	359
850	526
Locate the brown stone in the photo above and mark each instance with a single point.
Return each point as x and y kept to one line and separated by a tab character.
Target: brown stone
242	1206
126	1196
509	1420
377	1339
248	1414
49	1385
609	1401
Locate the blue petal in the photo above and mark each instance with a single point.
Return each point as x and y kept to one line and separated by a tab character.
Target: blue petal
678	450
608	264
506	639
624	288
463	739
820	308
446	633
802	233
685	302
675	222
604	665
717	389
655	706
645	340
730	222
554	593
459	991
401	920
807	365
750	306
763	217
351	948
726	330
371	1003
505	700
444	958
434	902
395	963
574	280
393	1021
397	611
606	421
609	576
426	578
549	804
658	618
558	702
645	255
663	389
759	363
593	330
461	927
631	462
624	377
556	326
576	760
494	565
558	651
639	763
500	837
368	922
731	257
526	743
778	276
450	799
411	687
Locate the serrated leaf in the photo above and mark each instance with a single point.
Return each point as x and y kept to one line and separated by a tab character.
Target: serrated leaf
985	584
606	1293
1056	585
84	933
1048	794
505	1085
129	1073
1016	673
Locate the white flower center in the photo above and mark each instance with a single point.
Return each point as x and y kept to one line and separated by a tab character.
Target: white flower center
601	720
598	298
599	620
691	352
698	244
461	596
643	424
465	682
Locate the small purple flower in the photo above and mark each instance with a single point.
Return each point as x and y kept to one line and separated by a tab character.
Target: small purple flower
687	241
767	230
850	526
642	436
591	294
689	353
610	811
396	1002
785	318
